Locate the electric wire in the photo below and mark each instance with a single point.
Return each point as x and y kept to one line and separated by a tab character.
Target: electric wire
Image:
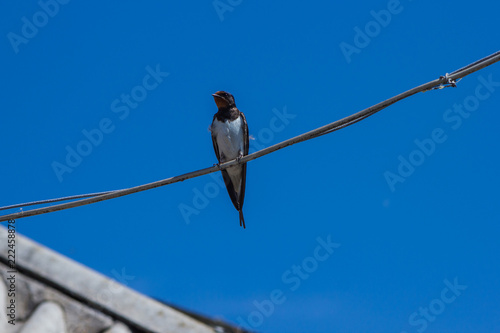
448	80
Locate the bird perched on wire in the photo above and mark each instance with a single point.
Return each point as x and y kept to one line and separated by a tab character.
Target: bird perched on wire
230	139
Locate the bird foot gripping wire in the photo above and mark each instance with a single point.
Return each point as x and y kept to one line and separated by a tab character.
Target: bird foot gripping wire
448	82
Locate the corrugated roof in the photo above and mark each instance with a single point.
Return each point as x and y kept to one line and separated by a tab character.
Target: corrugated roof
56	294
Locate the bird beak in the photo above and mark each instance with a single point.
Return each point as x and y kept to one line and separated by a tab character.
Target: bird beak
215	95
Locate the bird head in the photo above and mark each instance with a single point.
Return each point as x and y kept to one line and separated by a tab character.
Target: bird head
223	99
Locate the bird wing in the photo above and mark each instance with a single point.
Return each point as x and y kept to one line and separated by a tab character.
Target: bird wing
214	141
244	165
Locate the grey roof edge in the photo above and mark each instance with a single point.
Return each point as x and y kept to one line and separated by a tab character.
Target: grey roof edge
217	323
95	289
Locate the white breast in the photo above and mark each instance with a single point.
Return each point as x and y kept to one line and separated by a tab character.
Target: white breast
229	136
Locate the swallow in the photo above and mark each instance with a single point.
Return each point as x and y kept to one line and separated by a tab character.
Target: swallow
230	139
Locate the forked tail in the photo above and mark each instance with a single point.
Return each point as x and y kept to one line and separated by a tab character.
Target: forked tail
242	220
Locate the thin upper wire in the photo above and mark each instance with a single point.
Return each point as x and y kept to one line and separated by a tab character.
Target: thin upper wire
41	202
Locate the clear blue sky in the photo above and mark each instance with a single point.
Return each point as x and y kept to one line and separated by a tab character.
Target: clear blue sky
408	198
